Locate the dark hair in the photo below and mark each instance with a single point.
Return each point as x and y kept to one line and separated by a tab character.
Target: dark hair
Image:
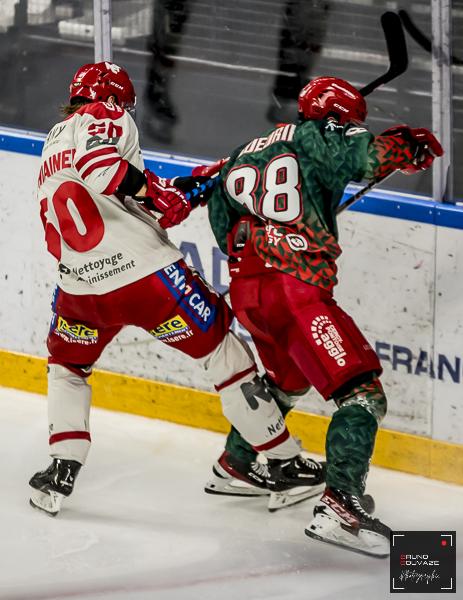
74	105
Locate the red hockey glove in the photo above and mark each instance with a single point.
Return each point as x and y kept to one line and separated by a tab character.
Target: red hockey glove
209	170
423	145
166	199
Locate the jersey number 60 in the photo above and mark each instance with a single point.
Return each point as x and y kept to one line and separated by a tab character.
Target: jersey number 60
80	223
281	198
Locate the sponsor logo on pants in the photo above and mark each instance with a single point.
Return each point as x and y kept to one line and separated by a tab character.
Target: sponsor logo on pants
193	299
173	330
326	335
77	333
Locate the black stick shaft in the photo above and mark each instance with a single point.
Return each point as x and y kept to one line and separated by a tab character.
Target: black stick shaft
396	49
345	205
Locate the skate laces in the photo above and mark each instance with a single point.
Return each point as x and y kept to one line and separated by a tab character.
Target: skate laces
356	502
260	469
307	462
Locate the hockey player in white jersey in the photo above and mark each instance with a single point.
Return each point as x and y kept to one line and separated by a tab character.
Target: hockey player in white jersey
104	218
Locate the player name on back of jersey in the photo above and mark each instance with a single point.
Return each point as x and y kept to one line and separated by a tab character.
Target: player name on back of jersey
56	162
284	133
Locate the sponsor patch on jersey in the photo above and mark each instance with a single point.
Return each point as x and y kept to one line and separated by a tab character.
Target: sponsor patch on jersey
173	330
296	242
274	237
76	333
193	299
326	335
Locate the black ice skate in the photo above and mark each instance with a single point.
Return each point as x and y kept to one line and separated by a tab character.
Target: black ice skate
341	519
235	477
51	486
293	480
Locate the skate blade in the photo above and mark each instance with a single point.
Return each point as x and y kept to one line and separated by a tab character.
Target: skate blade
293	496
48	502
325	529
233	487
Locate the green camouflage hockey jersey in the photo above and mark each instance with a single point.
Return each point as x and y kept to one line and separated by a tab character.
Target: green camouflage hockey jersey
292	179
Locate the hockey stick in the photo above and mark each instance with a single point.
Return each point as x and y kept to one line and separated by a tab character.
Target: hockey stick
420	38
398	63
210	183
352	199
396	49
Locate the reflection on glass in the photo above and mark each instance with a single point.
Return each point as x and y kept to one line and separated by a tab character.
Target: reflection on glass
211	74
302	33
457	71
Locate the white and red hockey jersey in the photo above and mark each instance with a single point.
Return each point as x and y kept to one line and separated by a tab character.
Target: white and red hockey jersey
100	246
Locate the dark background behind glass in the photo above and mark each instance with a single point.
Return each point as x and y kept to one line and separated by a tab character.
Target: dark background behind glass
211	74
457	71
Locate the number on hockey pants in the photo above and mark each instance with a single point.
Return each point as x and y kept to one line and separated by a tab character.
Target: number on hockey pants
281	198
80	224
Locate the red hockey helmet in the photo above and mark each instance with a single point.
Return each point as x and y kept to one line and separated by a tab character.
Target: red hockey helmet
99	81
326	96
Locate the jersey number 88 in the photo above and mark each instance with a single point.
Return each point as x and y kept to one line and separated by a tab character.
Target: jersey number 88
281	198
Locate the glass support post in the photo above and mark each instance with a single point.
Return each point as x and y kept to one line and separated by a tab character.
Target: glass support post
102	11
442	108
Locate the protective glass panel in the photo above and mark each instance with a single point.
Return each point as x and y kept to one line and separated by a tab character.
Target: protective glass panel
211	74
457	71
42	44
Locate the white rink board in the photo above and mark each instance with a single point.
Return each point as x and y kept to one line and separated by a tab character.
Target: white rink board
387	285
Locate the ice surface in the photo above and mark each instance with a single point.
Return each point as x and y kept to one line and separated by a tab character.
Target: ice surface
139	525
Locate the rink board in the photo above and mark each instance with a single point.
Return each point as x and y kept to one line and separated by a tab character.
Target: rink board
401	280
197	408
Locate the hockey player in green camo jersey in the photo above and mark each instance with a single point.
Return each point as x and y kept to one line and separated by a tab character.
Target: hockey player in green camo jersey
274	214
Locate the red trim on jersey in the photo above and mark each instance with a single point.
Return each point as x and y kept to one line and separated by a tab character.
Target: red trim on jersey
93	154
235	378
107	162
69	435
272	443
101	110
117	179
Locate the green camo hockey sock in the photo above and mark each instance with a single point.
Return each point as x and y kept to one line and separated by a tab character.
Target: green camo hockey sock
239	447
349	445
